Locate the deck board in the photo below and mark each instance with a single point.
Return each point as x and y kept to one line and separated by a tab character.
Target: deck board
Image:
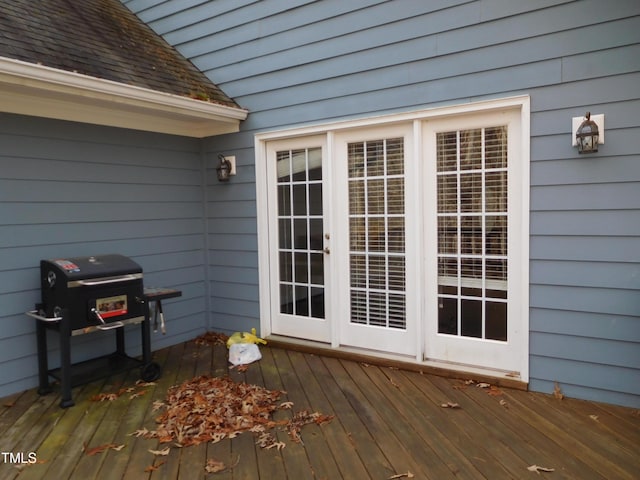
387	421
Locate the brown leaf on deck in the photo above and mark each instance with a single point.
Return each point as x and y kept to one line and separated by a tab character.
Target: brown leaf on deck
214	466
211	338
102	448
537	469
401	475
494	391
557	392
164	452
153	468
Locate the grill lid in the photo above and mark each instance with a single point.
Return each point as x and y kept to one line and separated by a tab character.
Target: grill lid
82	268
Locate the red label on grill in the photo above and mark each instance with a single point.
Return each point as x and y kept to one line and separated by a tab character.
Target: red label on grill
112	306
67	265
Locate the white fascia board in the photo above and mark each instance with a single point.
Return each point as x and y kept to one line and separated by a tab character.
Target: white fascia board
30	89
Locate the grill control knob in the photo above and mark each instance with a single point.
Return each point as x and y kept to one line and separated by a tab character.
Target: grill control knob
51	278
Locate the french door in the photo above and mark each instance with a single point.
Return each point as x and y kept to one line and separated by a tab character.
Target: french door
299	238
377	305
407	238
472	241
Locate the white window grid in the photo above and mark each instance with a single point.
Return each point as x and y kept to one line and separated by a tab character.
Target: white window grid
483	283
378	297
295	166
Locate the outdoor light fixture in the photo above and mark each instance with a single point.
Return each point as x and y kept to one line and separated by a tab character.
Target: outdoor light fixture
587	136
224	169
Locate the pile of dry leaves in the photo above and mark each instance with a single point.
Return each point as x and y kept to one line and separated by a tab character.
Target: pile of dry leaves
209	409
211	338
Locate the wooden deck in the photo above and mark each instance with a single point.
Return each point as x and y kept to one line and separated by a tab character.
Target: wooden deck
388	423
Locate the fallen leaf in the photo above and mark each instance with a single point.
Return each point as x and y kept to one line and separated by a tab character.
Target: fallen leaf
504	403
402	475
277	445
143	432
211	338
102	448
594	417
101	397
483	385
287	405
214	466
557	392
163	452
142	383
137	394
449	405
494	391
153	468
537	469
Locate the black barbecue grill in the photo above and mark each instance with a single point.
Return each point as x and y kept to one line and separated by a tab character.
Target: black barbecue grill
82	295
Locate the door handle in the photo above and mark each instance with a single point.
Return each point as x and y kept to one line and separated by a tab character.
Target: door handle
326	250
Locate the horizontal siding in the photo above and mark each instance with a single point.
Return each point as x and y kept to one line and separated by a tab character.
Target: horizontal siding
589	381
69	190
601	248
295	63
585	324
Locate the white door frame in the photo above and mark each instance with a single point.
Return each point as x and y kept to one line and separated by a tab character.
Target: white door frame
476	352
381	339
520	104
311	328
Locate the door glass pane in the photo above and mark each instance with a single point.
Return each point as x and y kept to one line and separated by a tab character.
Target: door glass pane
300	232
377	233
472	232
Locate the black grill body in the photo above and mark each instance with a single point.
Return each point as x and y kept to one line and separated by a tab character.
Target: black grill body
91	294
92	291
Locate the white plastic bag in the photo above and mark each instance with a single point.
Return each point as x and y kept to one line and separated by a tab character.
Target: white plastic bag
243	353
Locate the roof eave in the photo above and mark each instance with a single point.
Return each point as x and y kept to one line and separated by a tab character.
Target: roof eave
31	89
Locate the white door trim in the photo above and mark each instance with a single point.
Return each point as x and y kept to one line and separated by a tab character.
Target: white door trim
377	339
499	355
520	103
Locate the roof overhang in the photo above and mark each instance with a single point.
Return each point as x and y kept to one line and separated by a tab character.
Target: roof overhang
31	89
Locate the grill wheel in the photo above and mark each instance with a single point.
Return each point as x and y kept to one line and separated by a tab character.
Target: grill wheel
151	372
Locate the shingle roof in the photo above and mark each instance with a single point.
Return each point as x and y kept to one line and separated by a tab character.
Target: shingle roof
103	39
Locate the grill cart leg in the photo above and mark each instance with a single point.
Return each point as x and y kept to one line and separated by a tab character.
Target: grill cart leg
120	341
43	363
145	331
65	362
150	371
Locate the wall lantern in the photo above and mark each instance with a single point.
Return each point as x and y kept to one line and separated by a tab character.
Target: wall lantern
589	132
226	168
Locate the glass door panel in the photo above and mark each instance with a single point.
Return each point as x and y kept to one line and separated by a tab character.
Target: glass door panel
472	232
301	232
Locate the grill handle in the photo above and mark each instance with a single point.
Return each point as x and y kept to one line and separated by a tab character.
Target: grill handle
123	278
104	325
110	326
36	314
